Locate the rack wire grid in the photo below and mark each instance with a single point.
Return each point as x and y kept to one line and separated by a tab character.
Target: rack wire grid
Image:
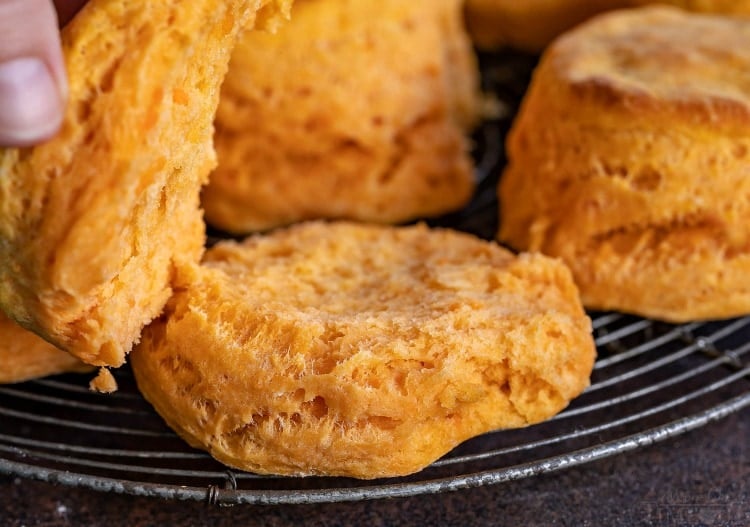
652	381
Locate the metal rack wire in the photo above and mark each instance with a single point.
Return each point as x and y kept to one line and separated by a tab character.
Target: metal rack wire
651	381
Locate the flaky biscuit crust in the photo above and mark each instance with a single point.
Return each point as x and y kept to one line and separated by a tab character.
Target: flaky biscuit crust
93	222
356	110
629	160
362	351
25	356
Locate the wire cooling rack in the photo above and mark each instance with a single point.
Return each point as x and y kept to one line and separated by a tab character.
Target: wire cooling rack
651	381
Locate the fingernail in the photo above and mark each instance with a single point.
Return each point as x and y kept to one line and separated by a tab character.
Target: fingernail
30	102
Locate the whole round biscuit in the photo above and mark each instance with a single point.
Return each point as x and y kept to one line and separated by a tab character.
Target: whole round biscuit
629	160
530	25
94	222
25	356
355	109
362	351
728	7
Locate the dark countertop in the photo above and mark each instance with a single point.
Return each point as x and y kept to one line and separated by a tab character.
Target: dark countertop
700	478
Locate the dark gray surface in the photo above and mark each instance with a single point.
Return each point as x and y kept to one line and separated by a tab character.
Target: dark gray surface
701	478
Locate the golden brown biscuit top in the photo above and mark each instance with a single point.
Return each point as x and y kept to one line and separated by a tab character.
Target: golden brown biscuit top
660	56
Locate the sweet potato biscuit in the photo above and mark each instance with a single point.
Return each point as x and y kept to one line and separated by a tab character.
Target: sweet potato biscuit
728	7
25	356
528	25
356	109
93	222
532	24
362	351
629	160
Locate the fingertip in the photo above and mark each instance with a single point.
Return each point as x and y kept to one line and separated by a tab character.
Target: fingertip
31	106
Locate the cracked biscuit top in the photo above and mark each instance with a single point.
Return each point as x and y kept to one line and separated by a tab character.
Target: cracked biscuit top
363	351
661	59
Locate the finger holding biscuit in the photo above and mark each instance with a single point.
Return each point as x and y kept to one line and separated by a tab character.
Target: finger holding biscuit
33	83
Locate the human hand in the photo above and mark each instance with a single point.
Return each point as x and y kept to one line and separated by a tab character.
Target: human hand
33	84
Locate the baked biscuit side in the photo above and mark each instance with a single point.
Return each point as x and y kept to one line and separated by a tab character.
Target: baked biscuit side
350	350
25	356
638	180
93	222
461	78
321	121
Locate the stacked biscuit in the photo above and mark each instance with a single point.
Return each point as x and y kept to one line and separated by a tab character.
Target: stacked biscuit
326	348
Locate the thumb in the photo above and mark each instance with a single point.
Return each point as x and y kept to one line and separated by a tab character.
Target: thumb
33	85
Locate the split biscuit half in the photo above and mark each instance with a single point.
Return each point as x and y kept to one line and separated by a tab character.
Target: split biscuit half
359	350
94	222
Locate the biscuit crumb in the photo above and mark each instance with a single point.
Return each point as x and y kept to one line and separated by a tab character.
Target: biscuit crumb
104	382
